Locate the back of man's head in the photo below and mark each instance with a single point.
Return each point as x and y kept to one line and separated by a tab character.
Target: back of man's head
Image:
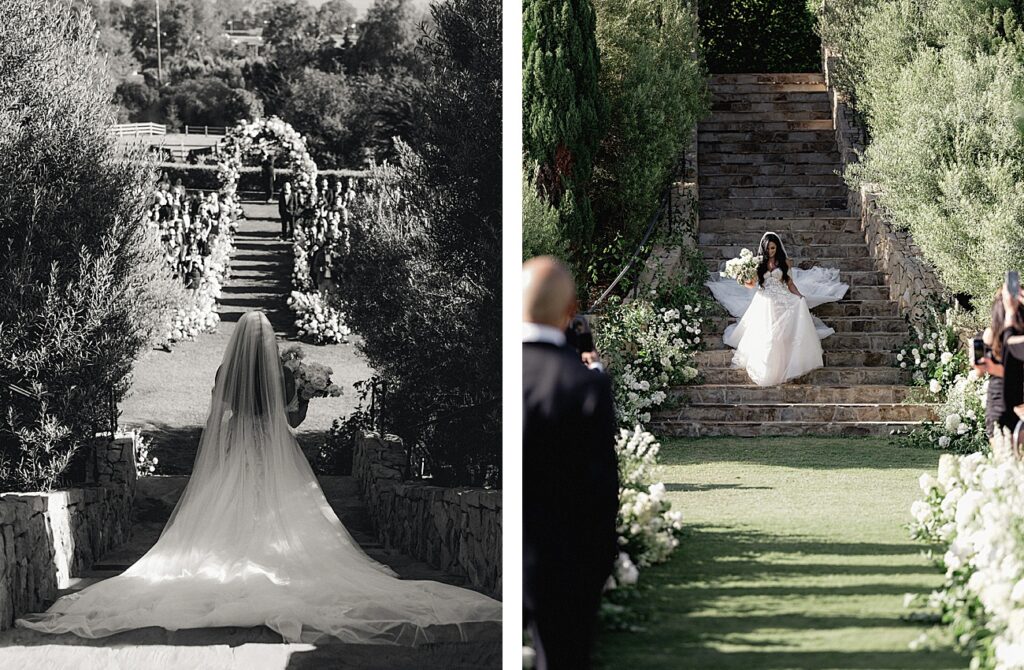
549	293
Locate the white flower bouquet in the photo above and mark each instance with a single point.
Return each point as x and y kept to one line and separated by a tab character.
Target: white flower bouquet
312	380
317	320
744	268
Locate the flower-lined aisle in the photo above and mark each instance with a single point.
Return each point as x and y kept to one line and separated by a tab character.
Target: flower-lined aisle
197	231
318	225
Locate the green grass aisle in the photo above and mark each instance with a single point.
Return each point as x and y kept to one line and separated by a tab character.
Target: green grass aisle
795	555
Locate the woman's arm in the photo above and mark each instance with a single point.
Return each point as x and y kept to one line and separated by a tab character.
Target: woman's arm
793	289
298	414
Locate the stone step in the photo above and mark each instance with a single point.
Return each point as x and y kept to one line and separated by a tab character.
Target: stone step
867	293
840	324
825	376
863	264
767	94
779	428
773	150
772	116
732	394
803	412
766	78
813	157
742	103
827	192
768	169
769	136
803	238
862	308
855	250
752	125
766	214
731	89
721	358
770	181
784	226
858	341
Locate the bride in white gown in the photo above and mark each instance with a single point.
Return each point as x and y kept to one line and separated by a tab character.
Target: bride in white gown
776	338
254	542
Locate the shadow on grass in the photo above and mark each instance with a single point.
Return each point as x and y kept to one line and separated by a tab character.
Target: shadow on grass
713	487
820	453
739	599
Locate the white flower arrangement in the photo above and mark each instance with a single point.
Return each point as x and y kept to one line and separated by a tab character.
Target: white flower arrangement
744	268
317	320
974	510
646	524
650	349
933	355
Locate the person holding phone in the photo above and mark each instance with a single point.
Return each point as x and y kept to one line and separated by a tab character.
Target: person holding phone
1009	346
986	358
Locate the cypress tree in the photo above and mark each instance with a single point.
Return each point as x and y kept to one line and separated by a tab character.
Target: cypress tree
564	113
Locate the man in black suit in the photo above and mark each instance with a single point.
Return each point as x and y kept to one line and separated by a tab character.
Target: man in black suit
570	475
286	206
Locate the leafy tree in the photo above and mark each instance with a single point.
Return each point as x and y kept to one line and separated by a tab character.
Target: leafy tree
87	289
209	101
137	101
386	39
759	36
564	111
653	77
191	34
323	106
426	277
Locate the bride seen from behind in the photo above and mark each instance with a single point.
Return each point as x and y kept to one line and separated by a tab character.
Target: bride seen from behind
253	541
776	338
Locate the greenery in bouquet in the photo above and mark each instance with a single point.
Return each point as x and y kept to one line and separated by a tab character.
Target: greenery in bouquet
743	268
649	349
145	465
971	519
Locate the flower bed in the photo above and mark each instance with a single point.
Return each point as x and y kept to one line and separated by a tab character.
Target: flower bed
973	512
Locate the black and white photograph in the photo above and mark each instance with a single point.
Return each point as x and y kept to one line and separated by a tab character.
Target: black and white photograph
250	334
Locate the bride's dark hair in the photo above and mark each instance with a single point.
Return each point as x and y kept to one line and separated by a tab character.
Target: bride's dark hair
780	258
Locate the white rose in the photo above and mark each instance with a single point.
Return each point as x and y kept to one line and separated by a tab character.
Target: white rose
934	386
952	422
944	441
946	357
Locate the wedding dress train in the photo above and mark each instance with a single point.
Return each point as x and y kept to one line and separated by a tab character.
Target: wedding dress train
253	541
777	338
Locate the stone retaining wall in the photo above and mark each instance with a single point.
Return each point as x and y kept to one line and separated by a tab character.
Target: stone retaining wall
48	538
910	278
457	530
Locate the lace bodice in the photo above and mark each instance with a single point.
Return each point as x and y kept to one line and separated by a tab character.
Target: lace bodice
773	283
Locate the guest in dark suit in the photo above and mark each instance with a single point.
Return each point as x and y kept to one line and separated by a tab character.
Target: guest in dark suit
286	208
267	172
570	475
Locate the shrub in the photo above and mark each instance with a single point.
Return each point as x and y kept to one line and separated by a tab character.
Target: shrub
938	84
86	287
421	275
759	36
653	77
250	178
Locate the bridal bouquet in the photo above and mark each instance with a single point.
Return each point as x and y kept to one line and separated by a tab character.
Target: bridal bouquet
312	380
744	268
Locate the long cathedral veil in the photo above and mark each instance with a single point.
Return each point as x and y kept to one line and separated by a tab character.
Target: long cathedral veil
253	541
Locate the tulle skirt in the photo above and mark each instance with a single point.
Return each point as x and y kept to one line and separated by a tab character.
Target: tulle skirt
776	340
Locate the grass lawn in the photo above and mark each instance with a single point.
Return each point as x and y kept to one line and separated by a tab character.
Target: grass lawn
796	555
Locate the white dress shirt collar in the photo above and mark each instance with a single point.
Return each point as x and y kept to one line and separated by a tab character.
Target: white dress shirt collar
539	332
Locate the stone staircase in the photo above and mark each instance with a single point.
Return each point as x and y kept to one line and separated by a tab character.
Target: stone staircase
768	160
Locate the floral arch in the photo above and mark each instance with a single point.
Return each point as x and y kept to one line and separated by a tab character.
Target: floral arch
269	134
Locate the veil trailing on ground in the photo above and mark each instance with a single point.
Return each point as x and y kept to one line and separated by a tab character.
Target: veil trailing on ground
253	541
